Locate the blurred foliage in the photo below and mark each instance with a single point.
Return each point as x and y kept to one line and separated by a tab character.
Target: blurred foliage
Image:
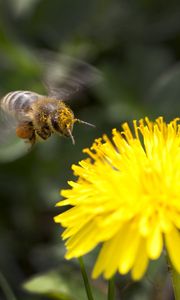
136	46
61	284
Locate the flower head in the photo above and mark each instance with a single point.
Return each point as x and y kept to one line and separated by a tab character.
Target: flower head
127	197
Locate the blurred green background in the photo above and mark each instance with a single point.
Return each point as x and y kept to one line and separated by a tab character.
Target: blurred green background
136	47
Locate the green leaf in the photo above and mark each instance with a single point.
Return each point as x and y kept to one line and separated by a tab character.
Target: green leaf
21	7
64	284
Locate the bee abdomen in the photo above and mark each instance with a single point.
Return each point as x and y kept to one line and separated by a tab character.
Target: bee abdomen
18	101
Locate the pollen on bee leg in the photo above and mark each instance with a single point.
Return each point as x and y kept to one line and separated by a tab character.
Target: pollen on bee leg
24	131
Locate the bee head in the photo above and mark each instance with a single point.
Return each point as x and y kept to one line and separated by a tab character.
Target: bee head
63	121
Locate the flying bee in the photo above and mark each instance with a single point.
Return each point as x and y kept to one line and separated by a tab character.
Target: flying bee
33	116
38	117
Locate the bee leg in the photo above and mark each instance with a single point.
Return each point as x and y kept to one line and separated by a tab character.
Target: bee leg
44	133
32	139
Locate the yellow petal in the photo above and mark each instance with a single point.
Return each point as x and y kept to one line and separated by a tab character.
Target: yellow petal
141	262
172	240
154	242
108	258
83	241
128	250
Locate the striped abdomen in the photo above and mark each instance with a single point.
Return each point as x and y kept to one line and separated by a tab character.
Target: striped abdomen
15	103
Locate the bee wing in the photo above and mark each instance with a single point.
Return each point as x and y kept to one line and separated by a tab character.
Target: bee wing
65	76
11	147
7	125
9	122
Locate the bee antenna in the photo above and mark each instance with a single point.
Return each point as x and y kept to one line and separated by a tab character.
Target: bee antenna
71	136
83	122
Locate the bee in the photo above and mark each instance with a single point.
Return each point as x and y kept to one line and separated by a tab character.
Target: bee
38	117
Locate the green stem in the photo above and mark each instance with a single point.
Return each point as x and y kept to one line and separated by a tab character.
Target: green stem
6	288
85	278
111	289
175	276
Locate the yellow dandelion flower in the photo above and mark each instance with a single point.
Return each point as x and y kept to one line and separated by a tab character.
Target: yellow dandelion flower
127	197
